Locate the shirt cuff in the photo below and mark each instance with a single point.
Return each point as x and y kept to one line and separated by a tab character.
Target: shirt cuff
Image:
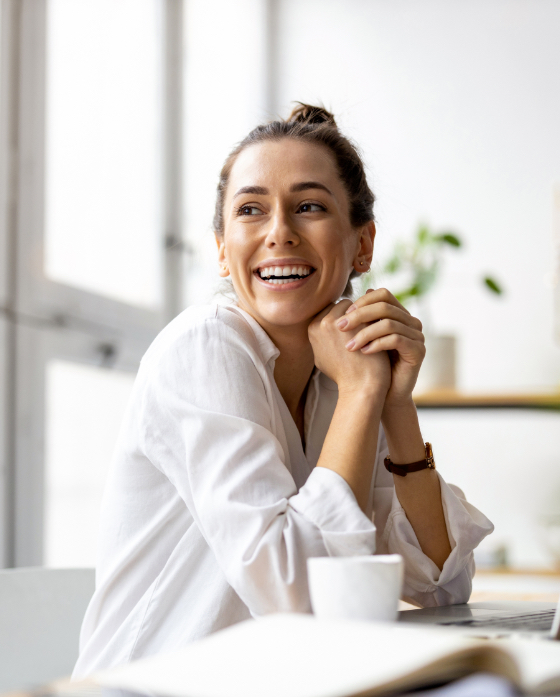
466	527
328	502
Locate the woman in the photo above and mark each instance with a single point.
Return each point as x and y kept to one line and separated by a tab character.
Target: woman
256	434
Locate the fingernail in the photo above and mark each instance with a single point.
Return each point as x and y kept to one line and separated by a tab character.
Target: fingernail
350	309
350	344
369	290
342	323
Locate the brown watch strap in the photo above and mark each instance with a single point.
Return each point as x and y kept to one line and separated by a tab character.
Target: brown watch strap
403	470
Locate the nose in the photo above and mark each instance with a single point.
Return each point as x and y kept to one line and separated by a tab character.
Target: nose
281	233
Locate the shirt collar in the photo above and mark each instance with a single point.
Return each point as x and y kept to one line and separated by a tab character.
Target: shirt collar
268	348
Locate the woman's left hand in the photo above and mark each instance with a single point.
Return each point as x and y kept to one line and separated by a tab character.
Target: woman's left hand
388	327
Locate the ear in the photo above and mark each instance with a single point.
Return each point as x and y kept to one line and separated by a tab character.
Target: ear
364	253
223	270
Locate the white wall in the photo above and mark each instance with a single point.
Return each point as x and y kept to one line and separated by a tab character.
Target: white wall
457	108
508	464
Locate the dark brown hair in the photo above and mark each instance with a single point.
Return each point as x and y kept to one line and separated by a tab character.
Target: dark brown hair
310	124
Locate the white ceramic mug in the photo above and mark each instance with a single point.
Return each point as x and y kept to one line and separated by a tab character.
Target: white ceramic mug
356	588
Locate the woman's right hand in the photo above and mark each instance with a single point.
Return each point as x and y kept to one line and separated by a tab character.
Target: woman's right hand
352	371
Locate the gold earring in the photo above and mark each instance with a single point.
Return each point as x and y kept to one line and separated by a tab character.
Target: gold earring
361	263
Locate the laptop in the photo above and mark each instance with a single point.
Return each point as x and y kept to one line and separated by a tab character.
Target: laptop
494	620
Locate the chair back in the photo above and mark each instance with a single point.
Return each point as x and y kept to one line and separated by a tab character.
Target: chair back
41	612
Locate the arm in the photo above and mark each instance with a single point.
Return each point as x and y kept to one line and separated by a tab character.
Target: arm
386	326
351	442
425	584
419	492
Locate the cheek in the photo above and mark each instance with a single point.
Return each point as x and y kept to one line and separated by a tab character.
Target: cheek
238	246
340	247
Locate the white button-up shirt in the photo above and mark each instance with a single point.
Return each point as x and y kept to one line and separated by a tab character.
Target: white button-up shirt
212	506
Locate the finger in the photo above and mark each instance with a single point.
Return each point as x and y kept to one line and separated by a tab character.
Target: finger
376	312
336	310
384	327
410	351
375	296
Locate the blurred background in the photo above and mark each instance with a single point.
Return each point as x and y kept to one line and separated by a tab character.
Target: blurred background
115	119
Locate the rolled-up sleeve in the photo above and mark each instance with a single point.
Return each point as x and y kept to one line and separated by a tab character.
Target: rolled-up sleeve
425	585
210	428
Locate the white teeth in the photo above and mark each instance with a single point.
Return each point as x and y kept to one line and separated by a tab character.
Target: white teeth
282	271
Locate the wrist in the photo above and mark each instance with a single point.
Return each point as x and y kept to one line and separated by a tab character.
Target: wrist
397	408
404	437
369	393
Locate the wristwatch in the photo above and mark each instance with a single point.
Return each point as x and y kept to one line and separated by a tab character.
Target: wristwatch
403	470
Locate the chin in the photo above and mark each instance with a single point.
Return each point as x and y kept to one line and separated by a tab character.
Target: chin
285	314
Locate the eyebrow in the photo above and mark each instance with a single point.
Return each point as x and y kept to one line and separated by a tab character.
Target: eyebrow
303	186
259	190
295	188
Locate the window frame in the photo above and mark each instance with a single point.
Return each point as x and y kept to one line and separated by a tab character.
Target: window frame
42	319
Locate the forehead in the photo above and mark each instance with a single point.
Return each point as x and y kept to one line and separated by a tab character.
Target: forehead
278	164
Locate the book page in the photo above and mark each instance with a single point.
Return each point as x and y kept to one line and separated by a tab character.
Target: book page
539	663
300	656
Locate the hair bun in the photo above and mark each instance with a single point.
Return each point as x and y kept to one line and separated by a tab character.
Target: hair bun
307	114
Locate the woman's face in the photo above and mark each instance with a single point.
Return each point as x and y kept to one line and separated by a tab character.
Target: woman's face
288	243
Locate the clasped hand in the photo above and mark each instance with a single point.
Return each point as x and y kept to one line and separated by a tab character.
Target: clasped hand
373	344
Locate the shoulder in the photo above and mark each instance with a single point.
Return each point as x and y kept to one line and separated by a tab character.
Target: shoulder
207	357
203	332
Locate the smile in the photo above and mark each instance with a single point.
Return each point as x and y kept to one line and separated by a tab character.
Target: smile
286	274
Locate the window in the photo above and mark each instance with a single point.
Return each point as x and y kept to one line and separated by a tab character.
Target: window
88	120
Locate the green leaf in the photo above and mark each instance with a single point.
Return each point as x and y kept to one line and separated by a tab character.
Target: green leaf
393	265
410	292
423	235
493	285
450	239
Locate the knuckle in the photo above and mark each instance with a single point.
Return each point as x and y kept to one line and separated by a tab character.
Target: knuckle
389	325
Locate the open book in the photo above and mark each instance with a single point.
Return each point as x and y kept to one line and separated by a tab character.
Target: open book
300	656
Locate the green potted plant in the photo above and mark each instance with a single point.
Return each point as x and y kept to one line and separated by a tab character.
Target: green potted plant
415	265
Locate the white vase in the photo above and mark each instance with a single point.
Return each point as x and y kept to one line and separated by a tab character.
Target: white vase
438	373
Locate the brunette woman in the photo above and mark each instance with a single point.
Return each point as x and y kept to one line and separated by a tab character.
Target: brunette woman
257	433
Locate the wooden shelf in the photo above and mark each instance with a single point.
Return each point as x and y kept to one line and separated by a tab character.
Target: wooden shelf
458	400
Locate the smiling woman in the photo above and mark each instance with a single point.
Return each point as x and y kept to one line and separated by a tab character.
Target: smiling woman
278	428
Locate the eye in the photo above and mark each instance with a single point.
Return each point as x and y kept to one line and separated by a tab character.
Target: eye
248	210
311	208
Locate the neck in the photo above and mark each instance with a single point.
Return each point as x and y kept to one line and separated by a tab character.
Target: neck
293	366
